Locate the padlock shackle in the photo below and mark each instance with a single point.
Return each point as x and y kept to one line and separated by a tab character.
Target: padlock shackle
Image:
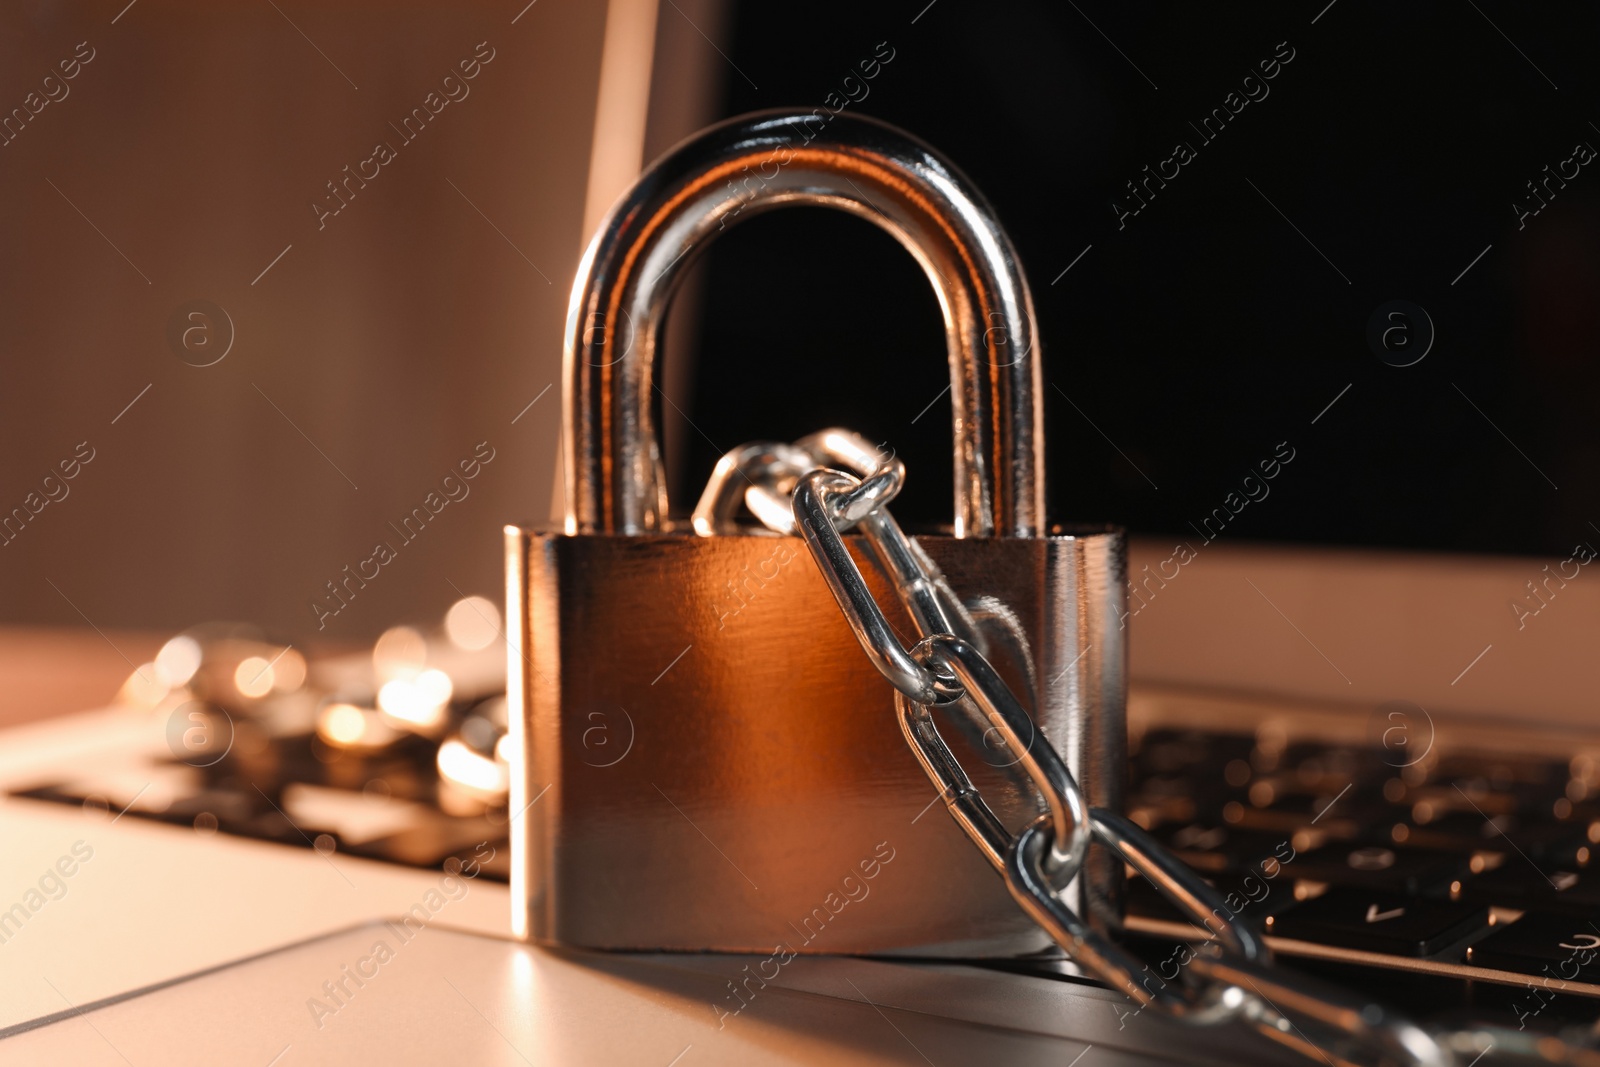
757	162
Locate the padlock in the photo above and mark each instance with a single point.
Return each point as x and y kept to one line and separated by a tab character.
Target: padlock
705	760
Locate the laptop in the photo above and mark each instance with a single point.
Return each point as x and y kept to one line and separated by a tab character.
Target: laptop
1390	770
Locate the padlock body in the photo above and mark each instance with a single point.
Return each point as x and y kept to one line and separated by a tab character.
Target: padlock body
707	761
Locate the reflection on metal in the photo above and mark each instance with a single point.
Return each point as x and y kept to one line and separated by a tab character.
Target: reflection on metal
772	159
778	743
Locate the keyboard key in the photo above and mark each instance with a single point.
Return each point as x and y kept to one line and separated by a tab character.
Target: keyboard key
1556	843
1384	867
1212	848
1175	809
1254	899
233	811
1185	799
1329	768
1561	946
1168	751
1466	826
1495	792
1283	806
1516	884
1502	772
432	840
1380	922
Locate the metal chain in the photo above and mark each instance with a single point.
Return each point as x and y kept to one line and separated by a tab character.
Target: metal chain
793	489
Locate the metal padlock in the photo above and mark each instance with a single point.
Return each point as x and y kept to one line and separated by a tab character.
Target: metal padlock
707	761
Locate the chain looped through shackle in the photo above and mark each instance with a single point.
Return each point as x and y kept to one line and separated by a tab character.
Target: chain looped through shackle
793	489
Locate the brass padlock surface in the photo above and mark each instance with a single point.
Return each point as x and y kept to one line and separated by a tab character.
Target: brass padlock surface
719	767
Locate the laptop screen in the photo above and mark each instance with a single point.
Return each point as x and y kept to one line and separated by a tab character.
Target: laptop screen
1317	273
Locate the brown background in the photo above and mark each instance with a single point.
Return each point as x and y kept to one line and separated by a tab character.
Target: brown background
395	339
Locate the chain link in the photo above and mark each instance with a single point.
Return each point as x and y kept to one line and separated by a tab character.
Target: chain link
793	489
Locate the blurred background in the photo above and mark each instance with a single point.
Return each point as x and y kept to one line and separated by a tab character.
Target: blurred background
257	366
272	360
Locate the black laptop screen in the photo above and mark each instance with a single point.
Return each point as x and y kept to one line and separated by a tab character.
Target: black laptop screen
1357	242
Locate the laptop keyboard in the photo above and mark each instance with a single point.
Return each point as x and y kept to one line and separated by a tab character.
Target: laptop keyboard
1453	883
396	754
298	791
1461	880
